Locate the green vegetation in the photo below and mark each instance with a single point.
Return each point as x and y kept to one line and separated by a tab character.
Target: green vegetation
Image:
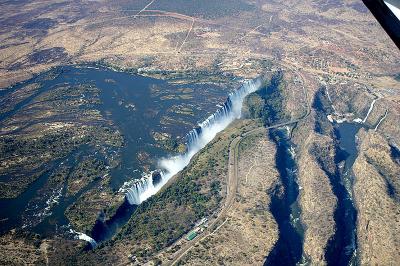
248	142
188	76
215	187
192	196
56	126
273	95
322	107
191	236
87	171
171	213
268	103
96	198
253	106
171	144
44	137
207	9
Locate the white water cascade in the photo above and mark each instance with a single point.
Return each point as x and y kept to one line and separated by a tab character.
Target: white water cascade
197	139
380	120
82	236
369	110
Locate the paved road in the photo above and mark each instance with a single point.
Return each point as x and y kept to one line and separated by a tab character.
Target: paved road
233	178
232	184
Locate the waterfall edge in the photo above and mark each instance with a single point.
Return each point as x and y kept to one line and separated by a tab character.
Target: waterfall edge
145	187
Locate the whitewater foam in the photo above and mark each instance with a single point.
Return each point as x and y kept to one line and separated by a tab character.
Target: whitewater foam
84	237
197	139
369	110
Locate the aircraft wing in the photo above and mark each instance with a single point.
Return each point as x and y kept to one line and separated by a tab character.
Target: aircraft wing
387	13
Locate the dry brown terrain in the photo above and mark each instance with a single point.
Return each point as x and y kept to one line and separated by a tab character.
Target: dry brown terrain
376	191
339	40
249	231
332	46
317	202
18	250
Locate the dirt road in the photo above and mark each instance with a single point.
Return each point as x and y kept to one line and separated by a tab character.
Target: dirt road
233	179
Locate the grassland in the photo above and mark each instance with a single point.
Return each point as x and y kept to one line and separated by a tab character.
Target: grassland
334	48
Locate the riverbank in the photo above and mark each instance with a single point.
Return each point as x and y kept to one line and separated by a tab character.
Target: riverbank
88	152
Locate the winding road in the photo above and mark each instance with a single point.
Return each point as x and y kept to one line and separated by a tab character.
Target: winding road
233	180
232	184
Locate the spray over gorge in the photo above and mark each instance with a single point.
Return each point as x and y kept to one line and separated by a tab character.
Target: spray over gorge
140	189
197	138
188	132
79	190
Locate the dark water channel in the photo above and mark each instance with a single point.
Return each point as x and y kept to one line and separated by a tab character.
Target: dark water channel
284	206
342	249
11	209
105	229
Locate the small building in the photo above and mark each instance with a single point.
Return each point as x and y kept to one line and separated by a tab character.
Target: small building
191	236
202	221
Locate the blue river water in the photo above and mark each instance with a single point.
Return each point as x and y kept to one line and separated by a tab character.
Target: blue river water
138	106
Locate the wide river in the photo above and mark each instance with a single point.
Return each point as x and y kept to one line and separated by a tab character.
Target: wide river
138	106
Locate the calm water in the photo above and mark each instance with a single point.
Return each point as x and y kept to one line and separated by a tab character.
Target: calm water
137	106
344	246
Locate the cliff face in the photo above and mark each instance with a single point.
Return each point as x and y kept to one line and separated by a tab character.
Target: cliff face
385	118
377	196
315	151
376	168
249	231
317	200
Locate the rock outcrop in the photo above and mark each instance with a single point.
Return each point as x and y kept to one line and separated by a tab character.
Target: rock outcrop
377	196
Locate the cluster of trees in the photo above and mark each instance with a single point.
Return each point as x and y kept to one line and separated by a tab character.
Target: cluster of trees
273	95
165	217
268	103
153	220
322	107
171	144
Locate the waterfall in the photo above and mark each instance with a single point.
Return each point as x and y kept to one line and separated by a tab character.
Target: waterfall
142	189
369	110
84	237
197	139
380	121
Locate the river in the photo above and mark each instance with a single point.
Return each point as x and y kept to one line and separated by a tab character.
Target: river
138	106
